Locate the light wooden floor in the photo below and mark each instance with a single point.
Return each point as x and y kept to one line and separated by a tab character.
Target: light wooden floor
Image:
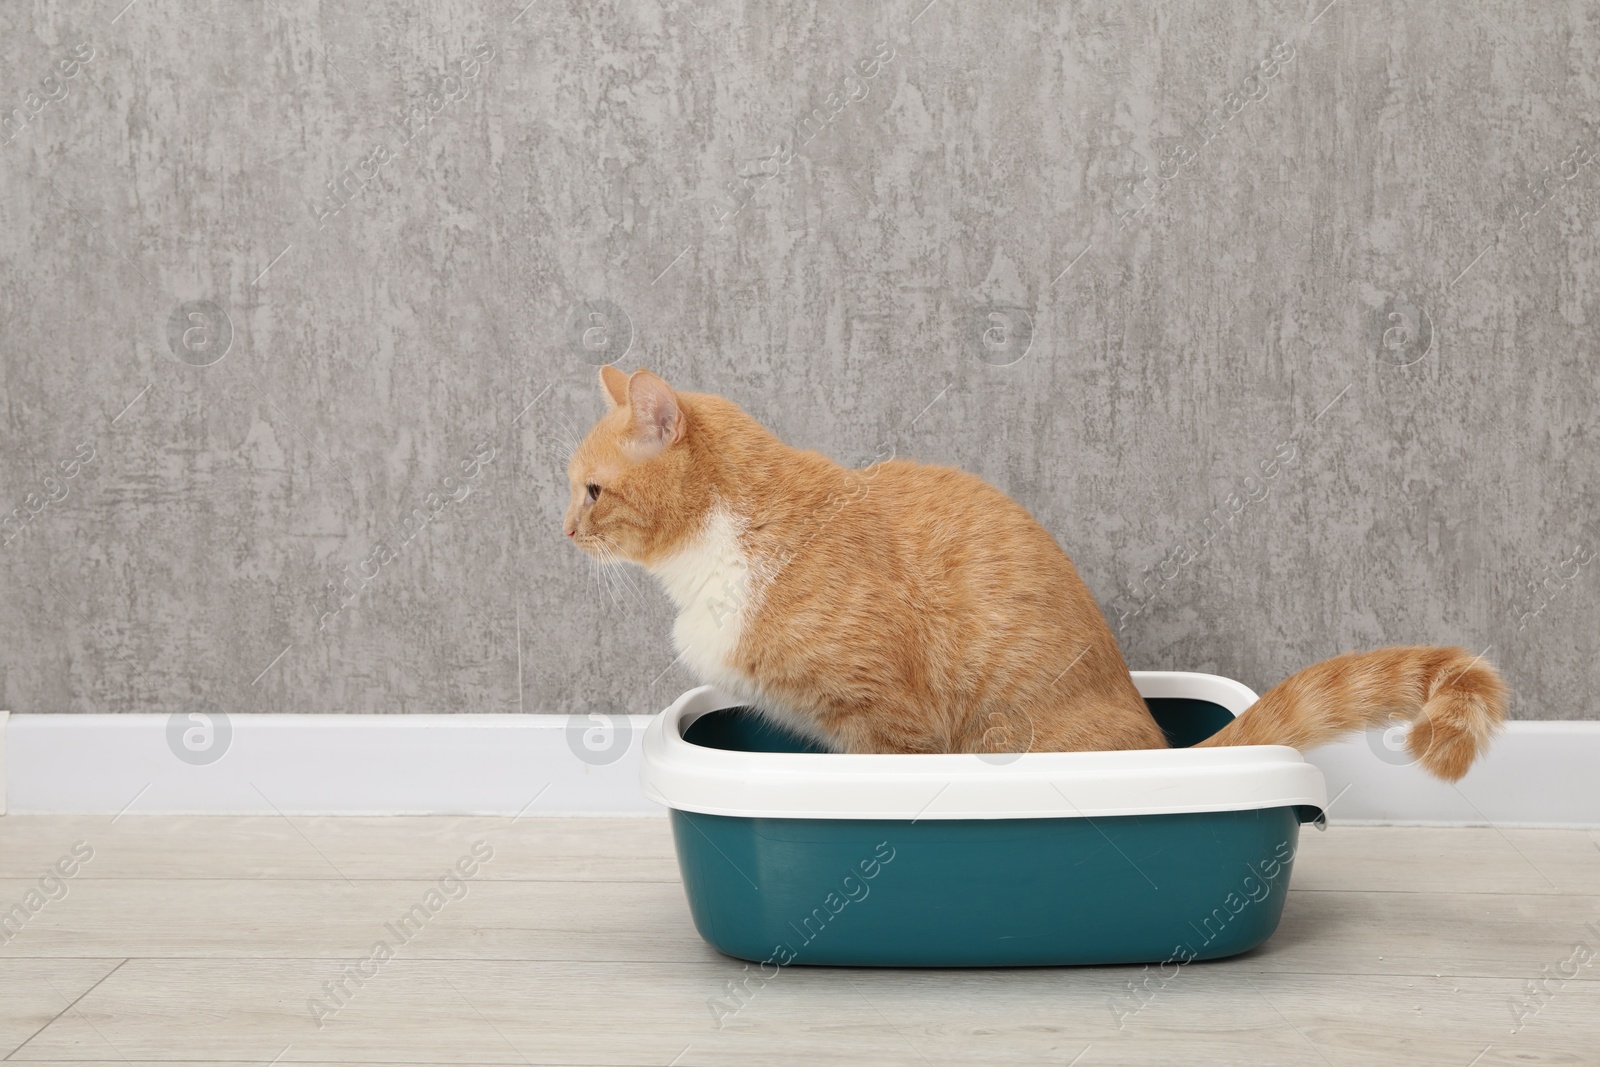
201	940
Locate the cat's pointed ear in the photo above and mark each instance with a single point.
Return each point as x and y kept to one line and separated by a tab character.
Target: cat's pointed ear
614	384
657	416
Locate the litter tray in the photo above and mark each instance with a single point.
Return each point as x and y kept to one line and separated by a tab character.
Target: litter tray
794	855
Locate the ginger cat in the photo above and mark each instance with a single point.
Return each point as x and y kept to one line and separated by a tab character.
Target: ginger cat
913	608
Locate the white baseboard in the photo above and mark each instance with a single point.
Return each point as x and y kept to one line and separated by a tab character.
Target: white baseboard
4	717
327	765
1536	774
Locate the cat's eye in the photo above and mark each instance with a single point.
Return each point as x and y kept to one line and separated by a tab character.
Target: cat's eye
594	492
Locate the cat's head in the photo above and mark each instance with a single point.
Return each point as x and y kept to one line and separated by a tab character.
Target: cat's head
636	487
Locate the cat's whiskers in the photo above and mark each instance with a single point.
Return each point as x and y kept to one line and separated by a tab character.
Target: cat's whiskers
603	573
605	577
613	566
570	439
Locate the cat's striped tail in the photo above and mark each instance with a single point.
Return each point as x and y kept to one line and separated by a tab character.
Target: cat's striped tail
1454	700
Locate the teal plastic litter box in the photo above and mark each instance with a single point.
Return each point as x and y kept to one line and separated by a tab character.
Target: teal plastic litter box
794	855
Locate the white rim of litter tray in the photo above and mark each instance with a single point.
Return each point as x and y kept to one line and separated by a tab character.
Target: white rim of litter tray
1032	785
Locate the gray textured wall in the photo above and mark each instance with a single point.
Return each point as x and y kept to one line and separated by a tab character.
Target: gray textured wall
1293	354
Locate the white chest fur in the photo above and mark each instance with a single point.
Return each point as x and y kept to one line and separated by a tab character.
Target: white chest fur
717	587
711	581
